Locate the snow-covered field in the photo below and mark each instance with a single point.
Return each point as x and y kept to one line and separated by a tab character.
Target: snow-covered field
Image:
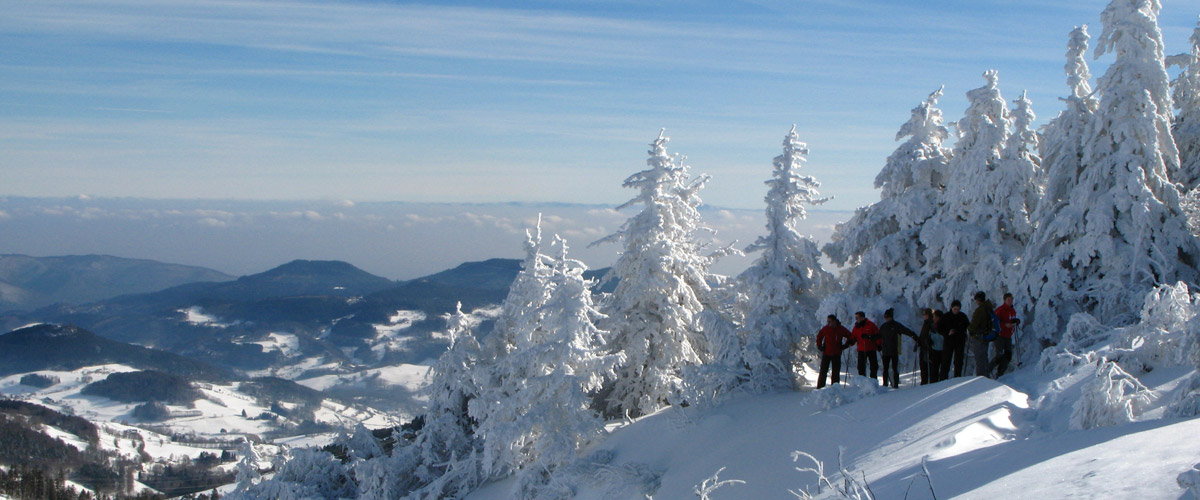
223	414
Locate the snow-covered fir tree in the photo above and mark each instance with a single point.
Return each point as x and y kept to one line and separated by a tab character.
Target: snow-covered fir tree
784	287
663	281
442	461
1062	139
528	292
981	134
1185	91
1056	221
546	416
1018	190
361	445
247	467
983	225
881	242
1120	230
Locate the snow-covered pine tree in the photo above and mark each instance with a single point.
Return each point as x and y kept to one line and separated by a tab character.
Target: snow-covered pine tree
497	377
881	242
1185	91
442	461
1044	279
1017	188
785	285
663	280
983	225
528	291
1120	230
1062	141
557	364
247	466
1129	233
362	445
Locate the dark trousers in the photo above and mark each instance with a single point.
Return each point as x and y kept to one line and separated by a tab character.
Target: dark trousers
924	363
954	354
829	361
891	370
935	366
1004	354
979	349
863	357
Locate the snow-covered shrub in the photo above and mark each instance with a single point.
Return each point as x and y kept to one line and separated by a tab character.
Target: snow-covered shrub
378	478
361	445
309	474
628	480
1111	397
1161	338
1187	401
852	389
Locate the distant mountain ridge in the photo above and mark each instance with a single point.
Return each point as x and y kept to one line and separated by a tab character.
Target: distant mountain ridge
56	347
28	283
326	310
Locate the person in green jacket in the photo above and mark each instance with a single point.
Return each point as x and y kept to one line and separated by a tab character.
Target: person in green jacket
979	329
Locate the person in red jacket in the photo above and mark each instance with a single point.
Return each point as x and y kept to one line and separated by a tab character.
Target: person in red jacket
1007	315
866	336
829	341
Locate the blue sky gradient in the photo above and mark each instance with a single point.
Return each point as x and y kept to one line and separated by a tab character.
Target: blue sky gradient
475	102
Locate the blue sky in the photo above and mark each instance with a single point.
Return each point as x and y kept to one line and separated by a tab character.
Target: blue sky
475	102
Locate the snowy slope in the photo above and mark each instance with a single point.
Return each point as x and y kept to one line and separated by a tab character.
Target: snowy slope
979	438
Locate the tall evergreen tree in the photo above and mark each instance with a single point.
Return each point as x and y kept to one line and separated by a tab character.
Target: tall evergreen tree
881	243
663	281
547	417
1128	232
960	240
443	459
785	285
1056	220
528	292
1185	91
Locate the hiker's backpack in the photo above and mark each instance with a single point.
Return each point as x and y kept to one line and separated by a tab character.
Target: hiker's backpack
995	327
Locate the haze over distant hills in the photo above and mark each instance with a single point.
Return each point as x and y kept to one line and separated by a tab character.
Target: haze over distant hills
32	282
395	240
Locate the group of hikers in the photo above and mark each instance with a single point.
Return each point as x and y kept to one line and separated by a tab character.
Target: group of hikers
942	342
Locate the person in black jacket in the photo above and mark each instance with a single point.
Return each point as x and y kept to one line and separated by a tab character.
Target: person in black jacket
956	339
889	346
925	345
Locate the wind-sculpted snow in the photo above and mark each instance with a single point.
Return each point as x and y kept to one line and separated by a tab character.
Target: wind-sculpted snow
854	389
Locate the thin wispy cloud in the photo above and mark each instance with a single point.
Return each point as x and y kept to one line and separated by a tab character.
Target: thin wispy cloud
404	101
